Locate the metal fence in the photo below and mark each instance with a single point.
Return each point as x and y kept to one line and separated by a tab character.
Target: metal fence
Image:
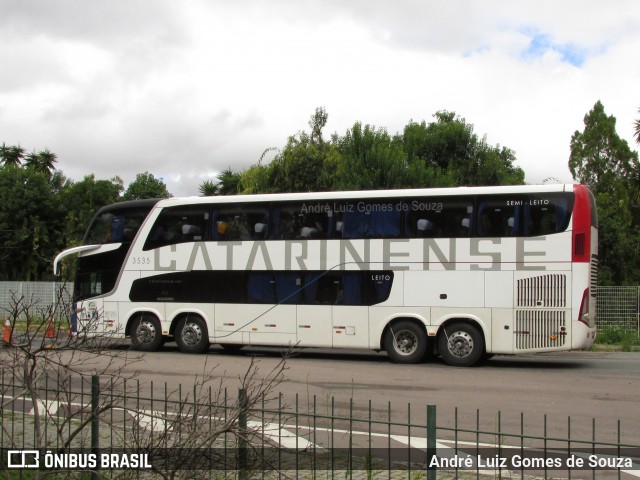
616	306
619	307
40	295
72	424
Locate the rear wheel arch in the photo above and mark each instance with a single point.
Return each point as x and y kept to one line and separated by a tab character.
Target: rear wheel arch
136	315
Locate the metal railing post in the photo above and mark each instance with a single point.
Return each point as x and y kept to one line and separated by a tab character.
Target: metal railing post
432	472
242	434
95	424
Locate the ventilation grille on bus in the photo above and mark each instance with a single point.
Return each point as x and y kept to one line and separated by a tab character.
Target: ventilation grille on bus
540	329
543	291
593	287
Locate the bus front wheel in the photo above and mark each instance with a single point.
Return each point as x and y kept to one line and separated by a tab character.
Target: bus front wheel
146	333
405	342
461	344
192	335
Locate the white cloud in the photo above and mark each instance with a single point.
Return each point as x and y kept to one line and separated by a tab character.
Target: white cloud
187	89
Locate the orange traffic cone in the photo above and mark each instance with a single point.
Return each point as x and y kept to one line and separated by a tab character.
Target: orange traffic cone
6	336
50	333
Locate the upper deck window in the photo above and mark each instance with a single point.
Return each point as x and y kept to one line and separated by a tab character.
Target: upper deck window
456	216
438	217
523	215
116	226
179	225
305	220
241	221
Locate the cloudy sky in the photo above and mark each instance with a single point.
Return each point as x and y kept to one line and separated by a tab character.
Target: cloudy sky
185	89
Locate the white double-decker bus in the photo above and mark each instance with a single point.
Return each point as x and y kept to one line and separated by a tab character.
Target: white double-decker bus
464	273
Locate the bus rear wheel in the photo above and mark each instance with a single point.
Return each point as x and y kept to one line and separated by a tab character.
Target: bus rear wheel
405	342
146	333
460	344
192	335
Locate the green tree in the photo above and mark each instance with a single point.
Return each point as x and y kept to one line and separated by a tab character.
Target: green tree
11	155
443	153
208	188
371	159
635	193
298	168
31	222
255	179
599	157
42	162
81	200
305	164
146	186
454	155
604	161
228	182
619	240
317	123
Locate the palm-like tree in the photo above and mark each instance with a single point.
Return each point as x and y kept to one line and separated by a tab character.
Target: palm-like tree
4	152
42	162
11	155
31	160
635	182
208	188
229	182
47	161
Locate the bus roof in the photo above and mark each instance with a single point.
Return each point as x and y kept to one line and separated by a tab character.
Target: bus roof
363	194
129	204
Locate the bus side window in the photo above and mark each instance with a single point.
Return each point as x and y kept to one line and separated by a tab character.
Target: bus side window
261	287
240	222
371	220
286	222
550	216
178	225
445	217
496	218
300	221
421	225
465	227
289	287
351	291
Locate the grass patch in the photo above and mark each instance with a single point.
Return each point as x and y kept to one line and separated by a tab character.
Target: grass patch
618	337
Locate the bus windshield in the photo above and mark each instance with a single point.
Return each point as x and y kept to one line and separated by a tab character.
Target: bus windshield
115	225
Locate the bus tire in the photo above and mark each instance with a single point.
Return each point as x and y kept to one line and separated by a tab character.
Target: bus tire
461	344
405	342
192	335
146	333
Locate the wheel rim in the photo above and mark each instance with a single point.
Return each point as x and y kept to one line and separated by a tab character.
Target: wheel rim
405	342
191	334
460	344
146	332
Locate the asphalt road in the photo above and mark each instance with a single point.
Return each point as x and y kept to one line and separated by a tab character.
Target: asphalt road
566	394
576	395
